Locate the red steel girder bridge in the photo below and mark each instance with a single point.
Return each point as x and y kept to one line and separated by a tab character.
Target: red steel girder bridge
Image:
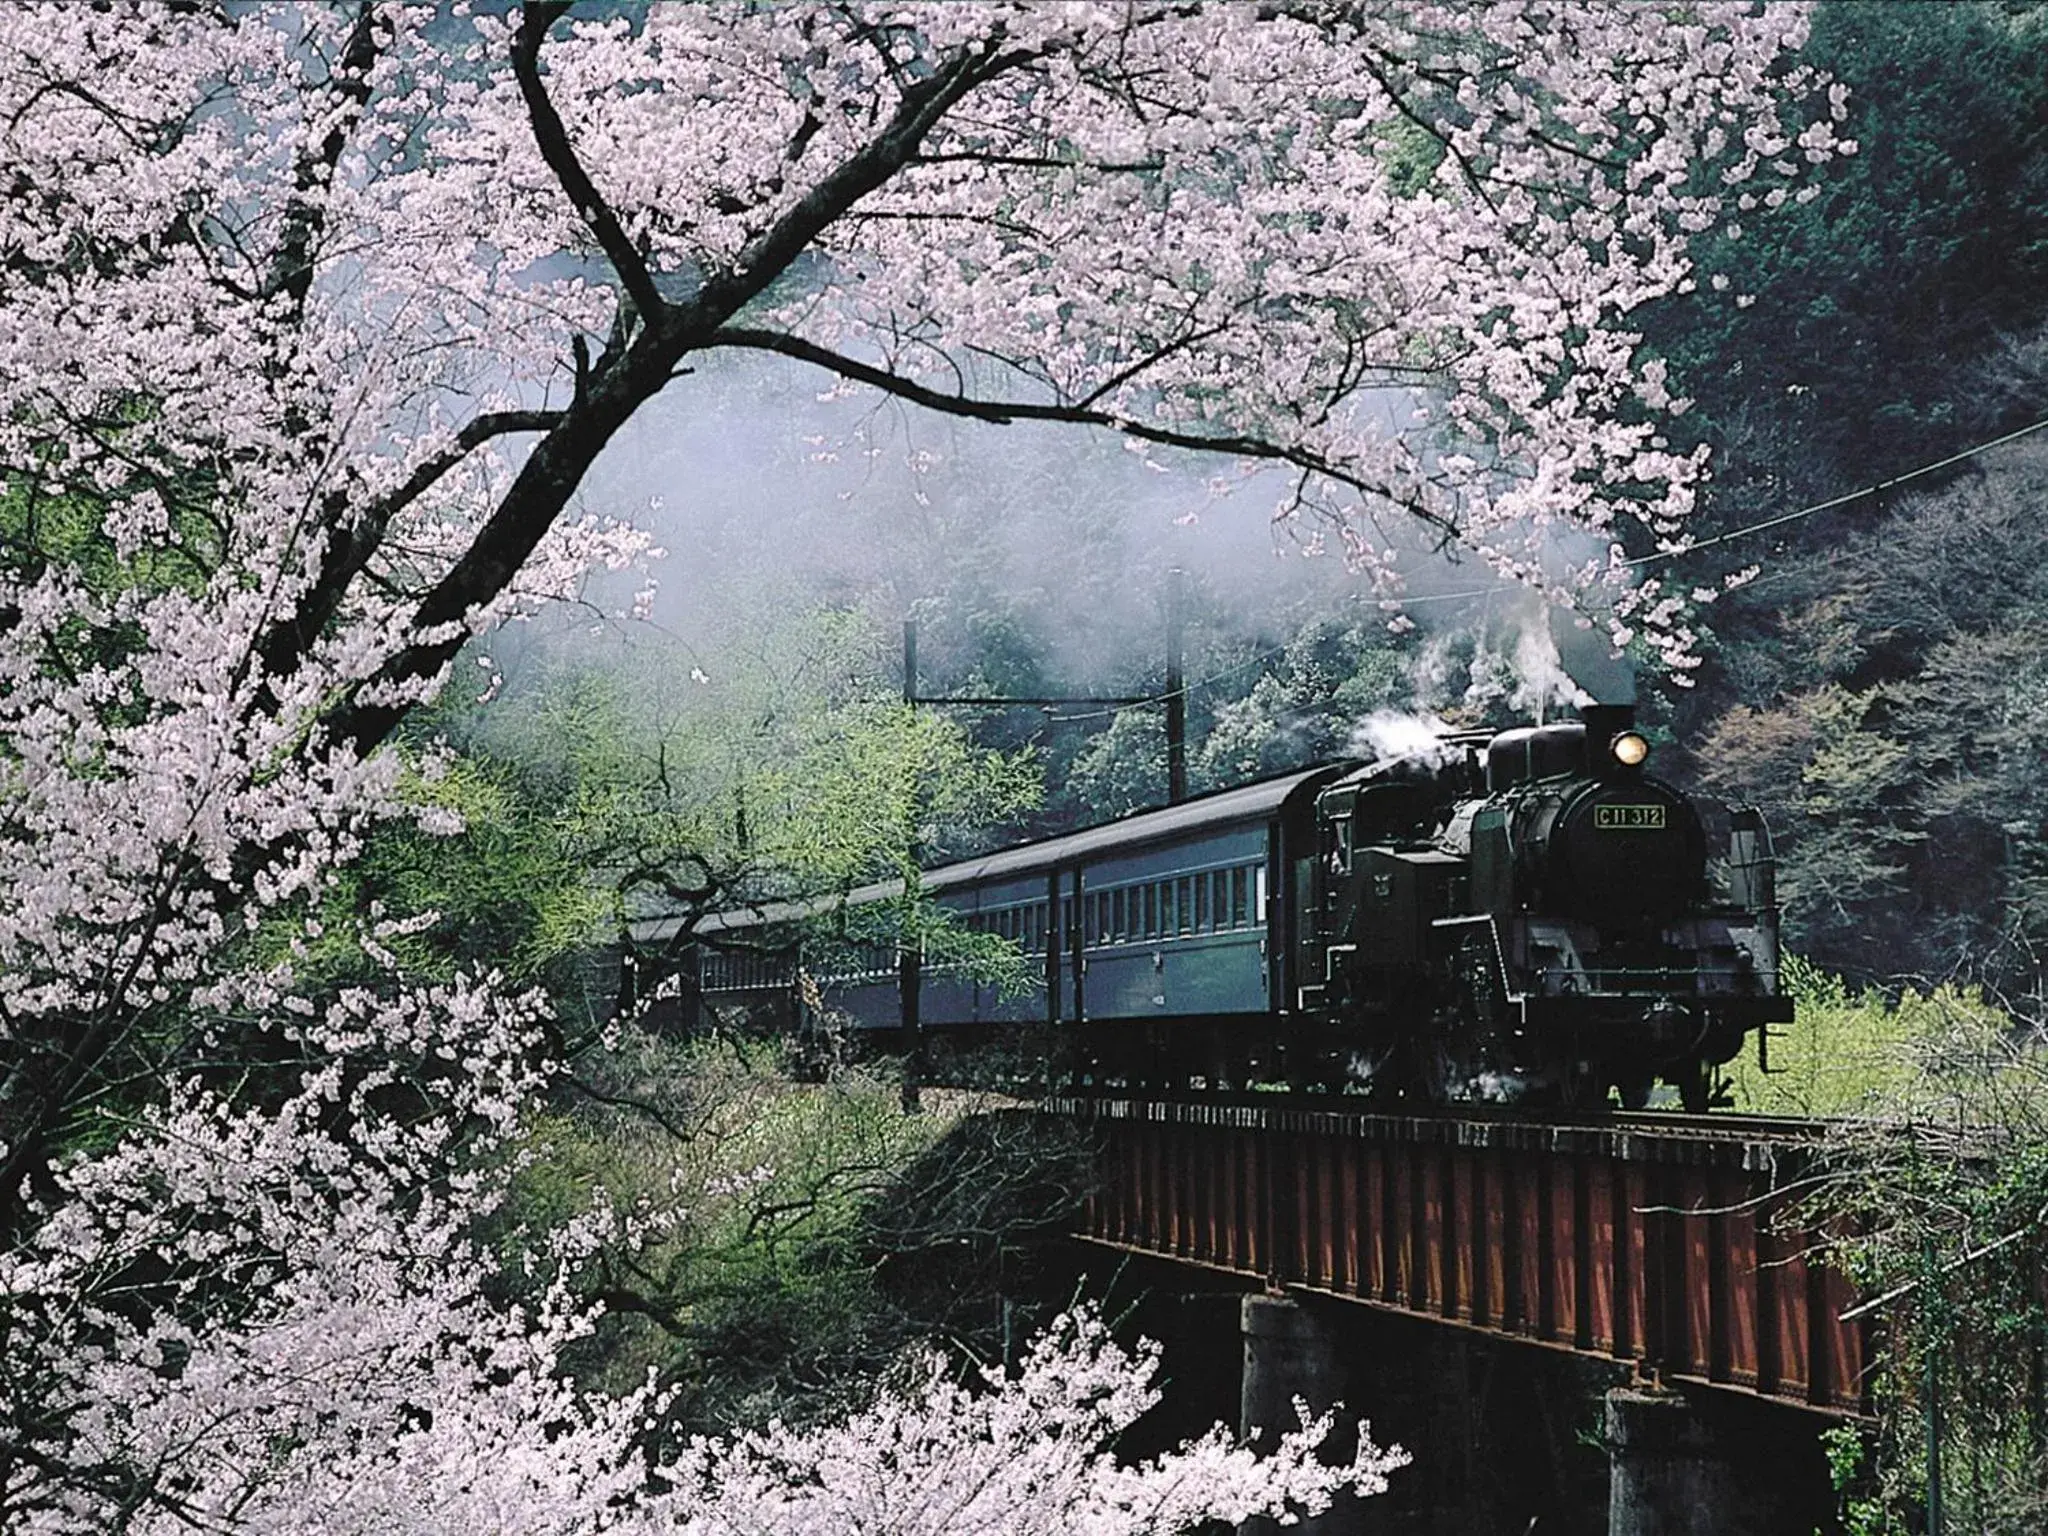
1643	1239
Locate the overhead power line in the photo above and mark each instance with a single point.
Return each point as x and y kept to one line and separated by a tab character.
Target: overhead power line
1836	501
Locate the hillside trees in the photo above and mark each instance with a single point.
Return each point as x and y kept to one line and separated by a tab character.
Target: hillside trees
1872	309
1900	739
313	321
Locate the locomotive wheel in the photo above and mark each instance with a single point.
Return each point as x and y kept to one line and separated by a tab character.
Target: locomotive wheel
1695	1083
1635	1090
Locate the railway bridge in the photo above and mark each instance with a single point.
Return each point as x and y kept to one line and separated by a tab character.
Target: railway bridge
1651	1244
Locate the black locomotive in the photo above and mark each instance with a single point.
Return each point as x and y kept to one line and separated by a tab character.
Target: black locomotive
1529	916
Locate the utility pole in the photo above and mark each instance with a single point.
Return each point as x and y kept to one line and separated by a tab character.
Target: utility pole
909	956
1176	695
1930	1321
910	937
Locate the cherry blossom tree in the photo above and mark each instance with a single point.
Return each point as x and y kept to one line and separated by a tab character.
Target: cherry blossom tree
313	320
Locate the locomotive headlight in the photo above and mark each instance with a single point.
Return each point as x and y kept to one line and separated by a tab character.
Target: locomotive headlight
1630	749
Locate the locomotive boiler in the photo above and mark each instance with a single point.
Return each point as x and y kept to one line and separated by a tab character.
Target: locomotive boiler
1529	916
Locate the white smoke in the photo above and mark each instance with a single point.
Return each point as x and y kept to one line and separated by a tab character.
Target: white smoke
1542	686
1389	733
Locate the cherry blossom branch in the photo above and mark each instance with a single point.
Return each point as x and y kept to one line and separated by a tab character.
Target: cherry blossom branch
1006	412
918	110
557	465
305	217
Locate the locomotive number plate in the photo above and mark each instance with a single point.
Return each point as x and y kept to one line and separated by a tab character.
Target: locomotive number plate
1629	818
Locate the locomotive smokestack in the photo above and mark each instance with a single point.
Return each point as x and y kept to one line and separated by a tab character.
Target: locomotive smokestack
1604	722
1614	747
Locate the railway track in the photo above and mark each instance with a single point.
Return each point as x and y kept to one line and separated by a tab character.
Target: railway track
1714	1125
1756	1142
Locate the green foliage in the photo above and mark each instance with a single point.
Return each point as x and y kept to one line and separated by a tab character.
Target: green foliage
788	1233
1843	1053
1122	769
1899	757
592	797
1848	1456
1934	1201
1280	708
749	1283
881	789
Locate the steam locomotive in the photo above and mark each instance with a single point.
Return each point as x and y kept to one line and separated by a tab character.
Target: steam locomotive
1528	916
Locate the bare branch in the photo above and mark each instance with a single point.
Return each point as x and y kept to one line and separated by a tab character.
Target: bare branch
552	138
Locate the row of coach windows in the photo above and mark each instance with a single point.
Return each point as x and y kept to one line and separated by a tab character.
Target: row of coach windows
1214	901
1023	926
744	970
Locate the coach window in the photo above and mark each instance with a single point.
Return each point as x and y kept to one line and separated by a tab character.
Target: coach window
1168	916
1151	911
1259	874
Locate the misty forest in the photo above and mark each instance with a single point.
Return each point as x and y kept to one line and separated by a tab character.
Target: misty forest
471	473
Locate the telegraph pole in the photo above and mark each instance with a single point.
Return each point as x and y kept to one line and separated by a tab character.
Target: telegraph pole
910	934
1176	695
909	956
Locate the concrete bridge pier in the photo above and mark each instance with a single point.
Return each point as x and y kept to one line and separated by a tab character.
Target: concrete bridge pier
1289	1353
1679	1467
